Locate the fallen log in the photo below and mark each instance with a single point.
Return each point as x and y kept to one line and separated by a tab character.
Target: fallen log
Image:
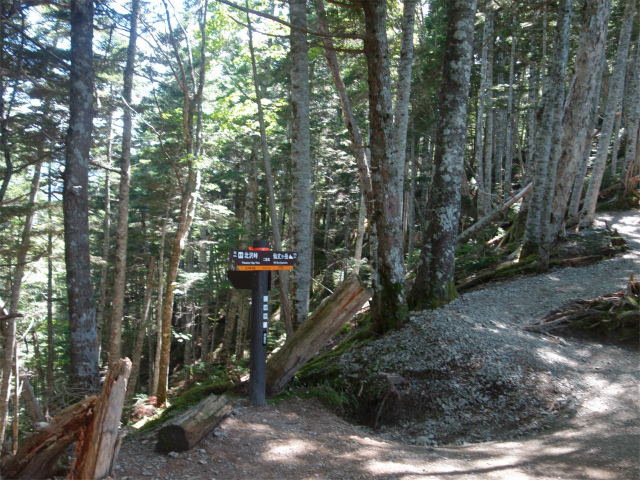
313	334
608	312
484	221
185	431
37	456
99	443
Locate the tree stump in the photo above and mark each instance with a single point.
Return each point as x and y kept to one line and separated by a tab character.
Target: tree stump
37	456
313	334
185	431
99	443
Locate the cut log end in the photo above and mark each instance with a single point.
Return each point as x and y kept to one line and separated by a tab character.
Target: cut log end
185	431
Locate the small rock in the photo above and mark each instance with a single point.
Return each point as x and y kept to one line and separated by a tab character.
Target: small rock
422	441
202	450
202	462
174	454
144	442
147	474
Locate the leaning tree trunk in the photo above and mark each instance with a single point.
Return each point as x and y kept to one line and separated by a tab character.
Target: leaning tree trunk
120	265
577	125
434	284
389	305
75	203
552	101
300	165
614	100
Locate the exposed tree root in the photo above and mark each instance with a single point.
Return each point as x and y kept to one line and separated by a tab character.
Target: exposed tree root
608	312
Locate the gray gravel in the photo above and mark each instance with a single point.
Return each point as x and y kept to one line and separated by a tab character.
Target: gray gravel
468	373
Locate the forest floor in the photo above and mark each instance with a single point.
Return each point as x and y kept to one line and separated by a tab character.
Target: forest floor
576	415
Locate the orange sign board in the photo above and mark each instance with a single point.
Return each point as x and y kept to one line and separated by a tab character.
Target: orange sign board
245	268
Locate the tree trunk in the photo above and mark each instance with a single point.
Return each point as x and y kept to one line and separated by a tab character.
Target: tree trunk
185	431
487	156
204	312
577	125
483	222
300	166
31	405
120	264
75	203
37	457
511	125
632	117
159	309
50	340
389	306
362	213
434	284
98	445
9	328
284	285
312	335
106	227
403	88
479	151
552	109
142	329
614	100
187	211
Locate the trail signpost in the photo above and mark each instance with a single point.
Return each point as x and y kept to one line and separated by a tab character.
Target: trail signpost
254	273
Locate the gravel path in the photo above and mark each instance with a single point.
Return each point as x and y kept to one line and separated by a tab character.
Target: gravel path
471	394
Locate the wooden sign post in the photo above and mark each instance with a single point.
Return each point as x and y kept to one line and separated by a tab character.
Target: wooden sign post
254	272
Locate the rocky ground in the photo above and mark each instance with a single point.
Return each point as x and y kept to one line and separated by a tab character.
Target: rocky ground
466	393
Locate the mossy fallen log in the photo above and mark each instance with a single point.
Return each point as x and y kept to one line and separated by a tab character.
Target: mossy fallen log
312	335
185	431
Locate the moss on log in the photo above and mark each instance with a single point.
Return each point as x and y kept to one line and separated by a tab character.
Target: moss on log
311	336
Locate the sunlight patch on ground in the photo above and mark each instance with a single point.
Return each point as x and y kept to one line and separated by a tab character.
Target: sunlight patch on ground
552	357
287	452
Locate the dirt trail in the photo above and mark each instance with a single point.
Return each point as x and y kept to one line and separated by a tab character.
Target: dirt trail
299	439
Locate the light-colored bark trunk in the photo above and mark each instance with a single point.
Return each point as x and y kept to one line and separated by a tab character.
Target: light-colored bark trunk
616	145
552	105
300	166
487	38
511	124
16	288
614	100
50	336
106	228
434	283
632	117
403	87
577	125
500	130
122	234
